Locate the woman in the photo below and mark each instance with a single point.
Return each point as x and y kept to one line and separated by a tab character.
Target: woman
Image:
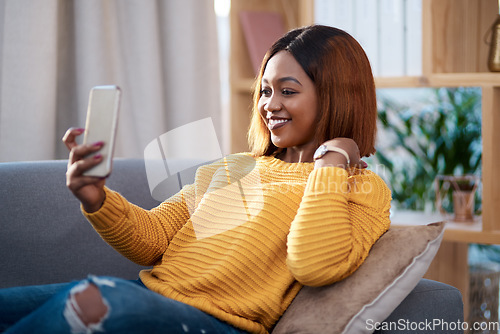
230	252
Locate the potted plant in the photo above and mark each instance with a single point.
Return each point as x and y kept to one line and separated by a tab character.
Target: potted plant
438	135
463	199
462	191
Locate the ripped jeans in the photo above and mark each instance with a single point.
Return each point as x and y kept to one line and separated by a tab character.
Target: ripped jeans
131	308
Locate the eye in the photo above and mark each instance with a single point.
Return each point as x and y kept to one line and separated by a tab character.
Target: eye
265	92
287	92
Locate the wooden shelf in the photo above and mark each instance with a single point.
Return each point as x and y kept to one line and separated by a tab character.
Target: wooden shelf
245	85
454	231
441	80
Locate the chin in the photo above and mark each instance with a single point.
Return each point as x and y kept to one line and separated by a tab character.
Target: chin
279	144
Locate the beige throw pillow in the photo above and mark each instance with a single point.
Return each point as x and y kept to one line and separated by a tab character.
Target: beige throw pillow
396	263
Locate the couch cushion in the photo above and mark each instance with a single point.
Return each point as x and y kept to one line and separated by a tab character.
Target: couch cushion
395	265
44	237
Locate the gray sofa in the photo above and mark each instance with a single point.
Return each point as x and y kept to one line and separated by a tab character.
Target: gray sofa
45	239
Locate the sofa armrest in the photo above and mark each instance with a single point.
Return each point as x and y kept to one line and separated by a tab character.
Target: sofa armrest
432	307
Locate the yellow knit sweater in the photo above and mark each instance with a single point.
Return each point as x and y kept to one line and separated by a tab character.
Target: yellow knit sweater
242	240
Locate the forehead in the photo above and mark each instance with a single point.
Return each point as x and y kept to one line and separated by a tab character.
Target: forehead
283	64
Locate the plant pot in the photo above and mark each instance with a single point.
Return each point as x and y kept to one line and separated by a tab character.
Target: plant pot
463	205
456	197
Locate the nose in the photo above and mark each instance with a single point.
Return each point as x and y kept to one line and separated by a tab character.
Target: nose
273	104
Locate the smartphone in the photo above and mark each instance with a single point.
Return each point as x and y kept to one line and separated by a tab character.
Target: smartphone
101	125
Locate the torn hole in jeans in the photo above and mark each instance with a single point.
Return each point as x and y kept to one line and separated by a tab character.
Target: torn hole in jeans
72	312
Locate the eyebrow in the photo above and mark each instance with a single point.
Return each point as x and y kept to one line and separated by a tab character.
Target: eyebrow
285	79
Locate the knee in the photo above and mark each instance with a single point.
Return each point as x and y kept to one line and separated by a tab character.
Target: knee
90	305
86	307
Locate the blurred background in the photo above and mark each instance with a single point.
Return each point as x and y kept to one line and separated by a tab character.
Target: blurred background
180	61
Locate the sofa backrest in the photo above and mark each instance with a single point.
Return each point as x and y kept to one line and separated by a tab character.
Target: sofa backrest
44	237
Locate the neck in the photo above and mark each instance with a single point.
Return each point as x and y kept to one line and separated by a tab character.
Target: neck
293	155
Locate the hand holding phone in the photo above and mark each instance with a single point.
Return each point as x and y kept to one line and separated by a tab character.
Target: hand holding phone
101	125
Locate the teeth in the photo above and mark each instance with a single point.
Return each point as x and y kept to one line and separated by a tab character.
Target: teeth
277	121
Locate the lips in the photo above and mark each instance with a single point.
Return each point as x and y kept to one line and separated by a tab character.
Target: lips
276	123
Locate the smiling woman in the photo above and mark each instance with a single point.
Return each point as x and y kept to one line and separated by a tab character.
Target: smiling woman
341	75
288	104
230	252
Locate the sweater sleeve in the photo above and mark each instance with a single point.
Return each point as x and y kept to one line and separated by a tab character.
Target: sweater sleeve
338	221
138	234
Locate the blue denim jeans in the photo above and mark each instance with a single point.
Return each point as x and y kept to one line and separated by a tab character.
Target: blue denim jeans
132	308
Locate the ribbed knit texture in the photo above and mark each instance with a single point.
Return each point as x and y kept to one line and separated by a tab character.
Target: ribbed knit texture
242	240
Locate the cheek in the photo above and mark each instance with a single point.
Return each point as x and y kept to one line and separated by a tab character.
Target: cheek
315	113
307	110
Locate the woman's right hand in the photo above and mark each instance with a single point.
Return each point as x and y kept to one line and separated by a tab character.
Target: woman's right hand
88	189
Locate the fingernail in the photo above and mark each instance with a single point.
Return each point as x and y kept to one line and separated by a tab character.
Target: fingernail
80	129
364	164
99	143
98	156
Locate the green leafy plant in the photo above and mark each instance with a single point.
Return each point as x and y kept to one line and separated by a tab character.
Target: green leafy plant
422	139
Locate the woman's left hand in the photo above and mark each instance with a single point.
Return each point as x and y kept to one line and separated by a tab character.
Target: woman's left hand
338	160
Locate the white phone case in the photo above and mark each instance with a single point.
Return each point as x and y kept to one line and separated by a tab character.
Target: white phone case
101	124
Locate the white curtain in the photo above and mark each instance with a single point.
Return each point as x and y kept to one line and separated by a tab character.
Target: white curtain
162	53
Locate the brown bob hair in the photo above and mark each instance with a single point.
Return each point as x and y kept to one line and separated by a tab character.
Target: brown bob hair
341	72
